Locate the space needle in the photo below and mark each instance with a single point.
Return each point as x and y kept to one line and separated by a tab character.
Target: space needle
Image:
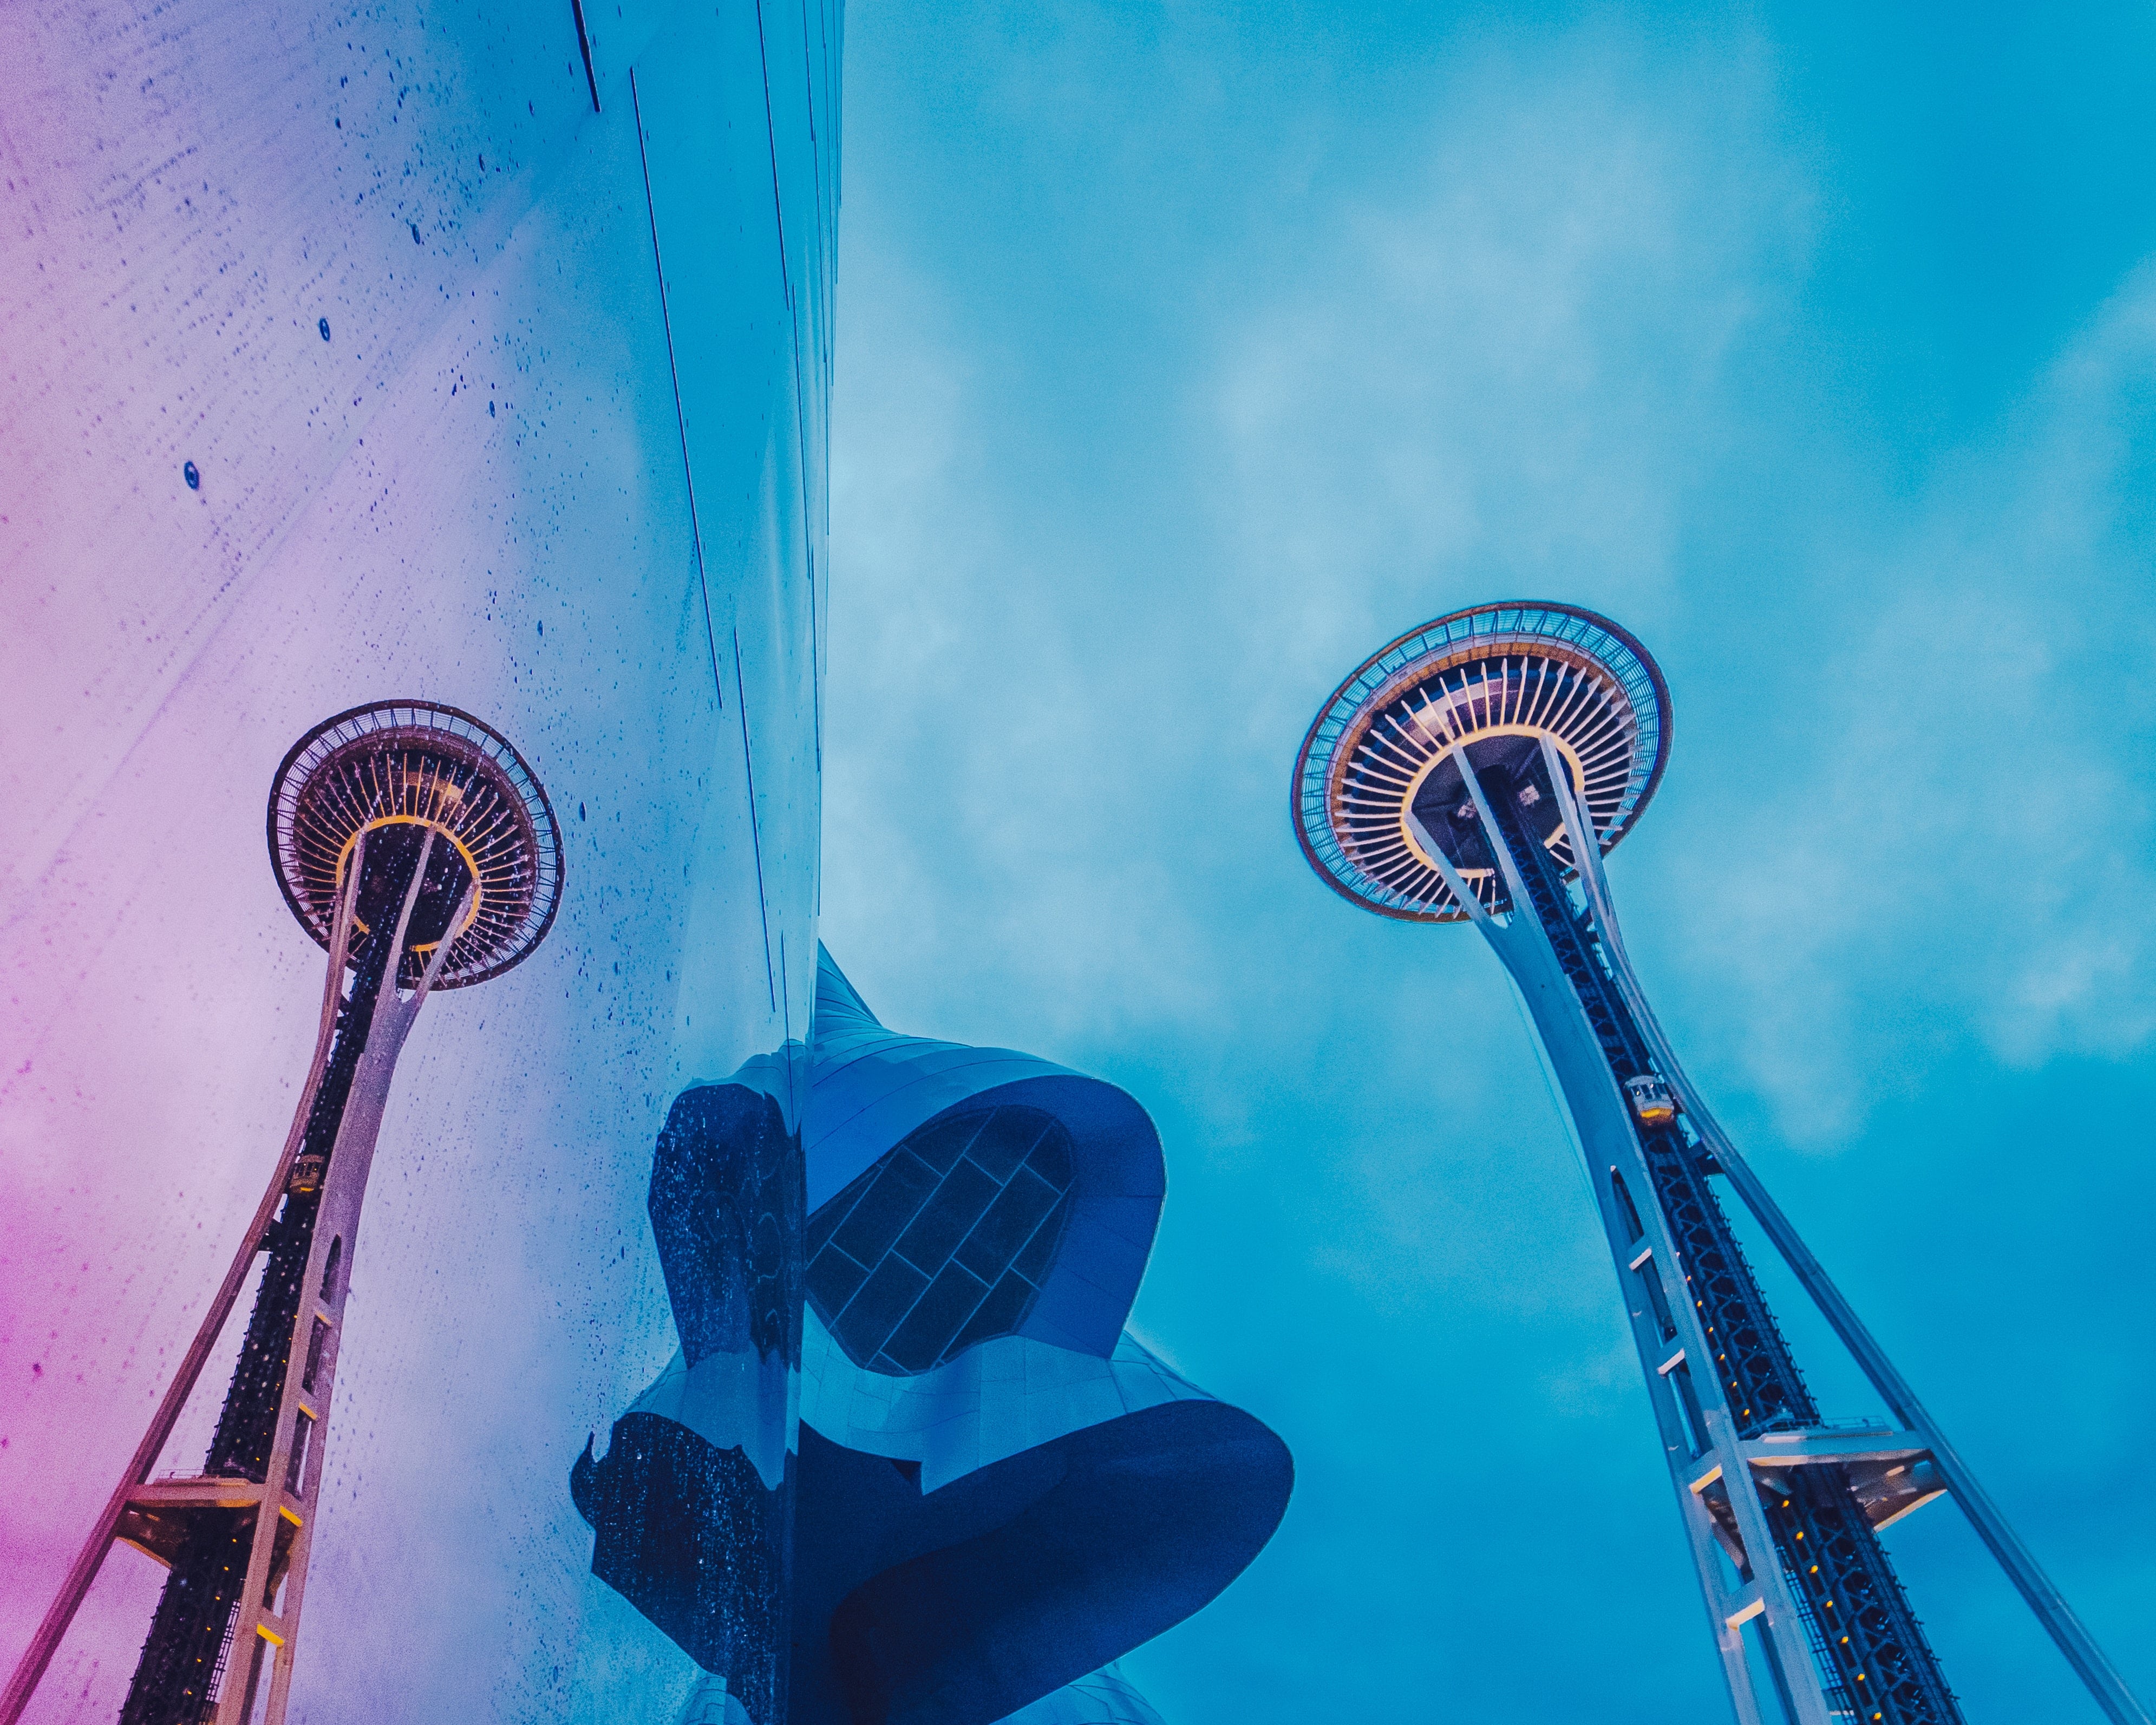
416	847
1476	770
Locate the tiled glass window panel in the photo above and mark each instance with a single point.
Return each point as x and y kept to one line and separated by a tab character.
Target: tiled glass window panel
944	1241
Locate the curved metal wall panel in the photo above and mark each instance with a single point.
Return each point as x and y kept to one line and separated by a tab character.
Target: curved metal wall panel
873	1086
975	1539
393	352
972	1601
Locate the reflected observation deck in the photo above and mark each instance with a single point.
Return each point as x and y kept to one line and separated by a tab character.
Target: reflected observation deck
418	849
1477	770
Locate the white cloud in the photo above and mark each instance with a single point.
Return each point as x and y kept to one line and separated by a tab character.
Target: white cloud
1957	850
1505	369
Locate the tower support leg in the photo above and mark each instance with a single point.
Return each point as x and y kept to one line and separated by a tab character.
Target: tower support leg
2043	1598
284	1531
75	1587
1699	1444
1653	1277
278	1507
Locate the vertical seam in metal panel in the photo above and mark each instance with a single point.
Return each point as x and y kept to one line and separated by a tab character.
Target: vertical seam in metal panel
755	827
815	147
696	533
826	214
830	192
673	372
800	403
584	47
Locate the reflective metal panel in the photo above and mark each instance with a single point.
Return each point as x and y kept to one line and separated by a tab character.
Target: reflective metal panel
403	354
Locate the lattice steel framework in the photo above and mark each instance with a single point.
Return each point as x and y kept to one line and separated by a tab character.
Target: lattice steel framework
1478	769
417	847
1521	670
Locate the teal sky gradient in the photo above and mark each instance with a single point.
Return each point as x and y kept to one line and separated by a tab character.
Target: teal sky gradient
1186	354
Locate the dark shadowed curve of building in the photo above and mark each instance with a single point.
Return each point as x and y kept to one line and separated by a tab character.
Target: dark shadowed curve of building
995	1492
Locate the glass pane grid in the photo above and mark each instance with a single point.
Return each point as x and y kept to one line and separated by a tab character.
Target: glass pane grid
944	1241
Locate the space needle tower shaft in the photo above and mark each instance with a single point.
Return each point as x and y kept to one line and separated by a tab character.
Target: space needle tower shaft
1476	770
414	845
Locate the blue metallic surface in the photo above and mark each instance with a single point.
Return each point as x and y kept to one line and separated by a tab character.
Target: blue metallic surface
692	1507
974	1536
945	1240
965	1604
1071	1363
871	1087
487	361
952	1544
503	382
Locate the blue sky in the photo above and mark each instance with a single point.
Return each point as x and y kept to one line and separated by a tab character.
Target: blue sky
1188	353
